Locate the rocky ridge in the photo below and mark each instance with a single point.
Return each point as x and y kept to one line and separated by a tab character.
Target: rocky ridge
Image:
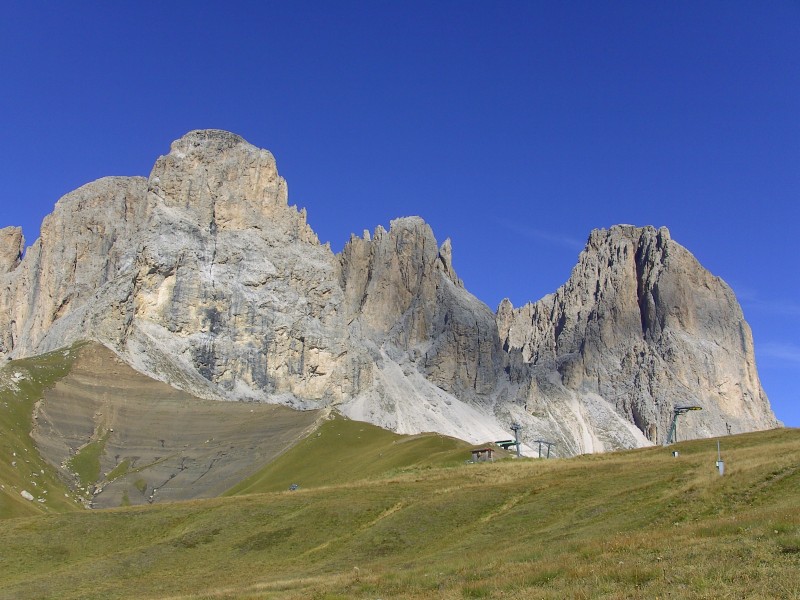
203	276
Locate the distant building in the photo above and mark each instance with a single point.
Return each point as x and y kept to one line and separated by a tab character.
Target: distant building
483	455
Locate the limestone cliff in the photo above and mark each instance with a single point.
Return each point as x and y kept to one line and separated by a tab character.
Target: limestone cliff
12	245
643	325
203	276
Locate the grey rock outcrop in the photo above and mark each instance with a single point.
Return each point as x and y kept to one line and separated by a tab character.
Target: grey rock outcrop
405	294
12	245
203	276
642	325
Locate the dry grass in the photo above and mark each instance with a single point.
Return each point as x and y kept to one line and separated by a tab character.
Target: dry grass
637	524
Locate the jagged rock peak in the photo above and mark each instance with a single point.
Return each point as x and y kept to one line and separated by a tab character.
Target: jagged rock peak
614	242
207	140
643	325
504	308
629	231
382	275
221	182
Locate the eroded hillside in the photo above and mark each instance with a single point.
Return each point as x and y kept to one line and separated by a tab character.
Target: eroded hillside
123	438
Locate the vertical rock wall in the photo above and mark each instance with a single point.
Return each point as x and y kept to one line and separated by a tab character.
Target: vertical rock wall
641	324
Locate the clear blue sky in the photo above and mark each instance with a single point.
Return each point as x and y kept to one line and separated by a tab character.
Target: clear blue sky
514	128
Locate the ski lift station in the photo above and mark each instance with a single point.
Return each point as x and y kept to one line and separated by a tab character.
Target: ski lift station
483	455
672	436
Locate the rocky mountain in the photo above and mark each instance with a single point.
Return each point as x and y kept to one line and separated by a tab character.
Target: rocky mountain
204	277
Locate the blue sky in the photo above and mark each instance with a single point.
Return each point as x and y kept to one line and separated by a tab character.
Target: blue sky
514	128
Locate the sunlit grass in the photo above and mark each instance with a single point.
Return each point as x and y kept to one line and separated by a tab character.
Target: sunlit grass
347	451
86	462
637	524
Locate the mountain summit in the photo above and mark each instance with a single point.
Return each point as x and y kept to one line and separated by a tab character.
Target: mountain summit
203	276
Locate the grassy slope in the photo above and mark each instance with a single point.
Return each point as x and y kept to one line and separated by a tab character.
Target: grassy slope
31	473
342	451
637	524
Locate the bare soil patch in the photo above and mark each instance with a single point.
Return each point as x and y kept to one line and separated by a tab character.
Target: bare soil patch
135	440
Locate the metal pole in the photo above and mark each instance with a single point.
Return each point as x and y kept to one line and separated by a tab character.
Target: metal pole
516	428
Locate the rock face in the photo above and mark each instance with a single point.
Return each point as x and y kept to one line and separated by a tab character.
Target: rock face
204	277
11	246
642	325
